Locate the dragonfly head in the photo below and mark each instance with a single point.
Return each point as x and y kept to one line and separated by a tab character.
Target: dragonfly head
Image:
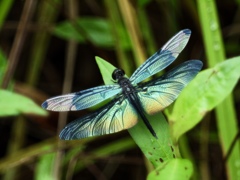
117	74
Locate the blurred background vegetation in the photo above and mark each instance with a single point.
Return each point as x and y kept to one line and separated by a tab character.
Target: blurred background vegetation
48	48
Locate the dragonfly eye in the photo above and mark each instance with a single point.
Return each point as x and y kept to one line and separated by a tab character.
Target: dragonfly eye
117	74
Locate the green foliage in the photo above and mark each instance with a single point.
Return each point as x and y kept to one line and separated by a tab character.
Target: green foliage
210	88
142	3
106	150
3	65
106	70
44	169
13	104
175	169
89	29
152	22
226	116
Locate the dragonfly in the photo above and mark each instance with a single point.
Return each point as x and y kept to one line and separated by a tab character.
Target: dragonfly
131	98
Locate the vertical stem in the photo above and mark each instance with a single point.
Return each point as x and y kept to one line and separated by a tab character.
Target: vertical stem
116	21
130	20
47	13
27	12
68	79
225	112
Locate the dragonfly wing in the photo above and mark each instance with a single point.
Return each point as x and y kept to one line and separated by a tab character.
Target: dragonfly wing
113	117
158	93
82	99
161	59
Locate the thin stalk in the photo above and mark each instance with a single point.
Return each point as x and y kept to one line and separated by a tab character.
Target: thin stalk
20	37
116	21
162	148
72	9
204	154
187	153
130	19
47	14
16	142
146	30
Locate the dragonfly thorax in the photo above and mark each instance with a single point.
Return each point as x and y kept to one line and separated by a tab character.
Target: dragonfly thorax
127	87
118	75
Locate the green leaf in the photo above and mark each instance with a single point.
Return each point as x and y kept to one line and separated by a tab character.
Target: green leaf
13	104
206	91
96	30
157	151
106	70
175	169
44	169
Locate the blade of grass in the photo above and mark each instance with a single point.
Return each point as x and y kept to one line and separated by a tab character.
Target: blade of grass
130	19
146	30
18	41
4	9
225	113
116	21
44	167
47	14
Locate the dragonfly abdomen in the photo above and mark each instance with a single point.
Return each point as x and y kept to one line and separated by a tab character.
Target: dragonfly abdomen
135	102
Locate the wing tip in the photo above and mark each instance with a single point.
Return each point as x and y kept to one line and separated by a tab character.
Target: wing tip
197	63
45	105
187	31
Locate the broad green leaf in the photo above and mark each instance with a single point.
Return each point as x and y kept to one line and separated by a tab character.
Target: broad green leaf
12	104
96	30
206	91
175	169
44	169
158	150
106	70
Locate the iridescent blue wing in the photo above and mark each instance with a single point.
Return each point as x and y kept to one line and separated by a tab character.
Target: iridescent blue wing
161	59
113	117
82	99
158	93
